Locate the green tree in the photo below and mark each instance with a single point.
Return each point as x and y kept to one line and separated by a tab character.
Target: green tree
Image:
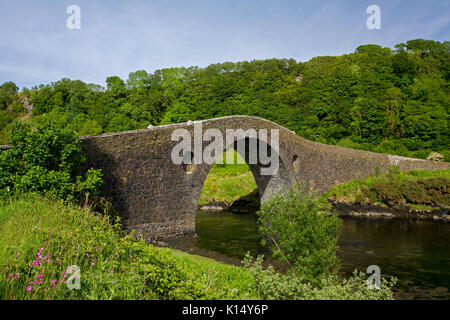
47	161
8	93
301	234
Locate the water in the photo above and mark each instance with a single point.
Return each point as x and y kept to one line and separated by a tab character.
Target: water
416	252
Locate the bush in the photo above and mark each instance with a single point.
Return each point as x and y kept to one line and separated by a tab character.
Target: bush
302	235
397	189
46	161
275	286
435	156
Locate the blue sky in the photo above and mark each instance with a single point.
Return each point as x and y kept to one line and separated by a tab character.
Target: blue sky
121	36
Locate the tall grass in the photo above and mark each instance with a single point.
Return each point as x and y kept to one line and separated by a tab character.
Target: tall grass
39	239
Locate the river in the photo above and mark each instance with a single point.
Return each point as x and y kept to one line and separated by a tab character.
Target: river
416	252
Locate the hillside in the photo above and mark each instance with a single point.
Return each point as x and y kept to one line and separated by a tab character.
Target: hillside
378	99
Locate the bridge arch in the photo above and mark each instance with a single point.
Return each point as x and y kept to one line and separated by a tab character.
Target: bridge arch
267	185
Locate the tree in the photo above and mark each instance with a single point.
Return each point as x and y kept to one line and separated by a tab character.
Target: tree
46	160
300	233
116	87
8	93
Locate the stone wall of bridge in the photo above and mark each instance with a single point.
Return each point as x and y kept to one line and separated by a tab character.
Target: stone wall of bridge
158	198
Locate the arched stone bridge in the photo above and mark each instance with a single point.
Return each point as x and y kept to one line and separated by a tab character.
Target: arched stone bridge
158	198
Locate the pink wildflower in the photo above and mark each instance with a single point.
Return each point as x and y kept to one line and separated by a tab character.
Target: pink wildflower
29	288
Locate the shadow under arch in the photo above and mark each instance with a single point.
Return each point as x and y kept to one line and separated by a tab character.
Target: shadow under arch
268	184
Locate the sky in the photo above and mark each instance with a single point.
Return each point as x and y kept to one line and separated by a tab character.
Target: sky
121	36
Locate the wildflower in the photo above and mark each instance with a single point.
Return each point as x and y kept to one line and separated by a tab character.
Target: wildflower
11	275
40	276
29	288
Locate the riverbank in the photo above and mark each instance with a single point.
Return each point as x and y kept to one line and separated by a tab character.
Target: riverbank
418	195
42	242
40	238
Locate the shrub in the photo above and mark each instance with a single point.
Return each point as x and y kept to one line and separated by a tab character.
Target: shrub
302	235
396	188
275	286
46	161
434	156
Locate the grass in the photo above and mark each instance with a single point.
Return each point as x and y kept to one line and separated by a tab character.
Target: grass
40	238
228	182
419	189
113	266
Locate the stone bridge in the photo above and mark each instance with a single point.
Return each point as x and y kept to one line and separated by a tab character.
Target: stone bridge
159	198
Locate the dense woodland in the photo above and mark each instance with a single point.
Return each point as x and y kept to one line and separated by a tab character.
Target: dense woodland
378	99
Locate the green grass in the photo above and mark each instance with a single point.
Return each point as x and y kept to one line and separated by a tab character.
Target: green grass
116	266
419	189
113	266
228	182
232	281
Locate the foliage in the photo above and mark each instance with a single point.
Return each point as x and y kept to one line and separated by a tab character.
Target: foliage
302	235
377	99
46	160
276	286
397	189
435	156
8	94
39	239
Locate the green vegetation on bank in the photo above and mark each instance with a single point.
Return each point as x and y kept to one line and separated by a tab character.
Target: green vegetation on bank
418	189
302	234
46	160
40	238
379	99
228	183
